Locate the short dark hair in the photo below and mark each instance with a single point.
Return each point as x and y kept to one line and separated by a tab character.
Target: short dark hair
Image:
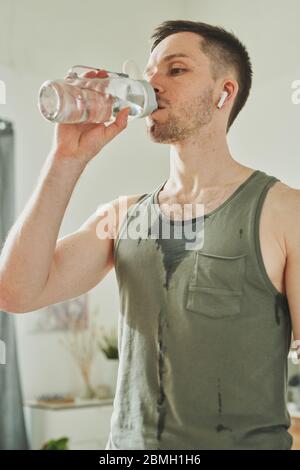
224	50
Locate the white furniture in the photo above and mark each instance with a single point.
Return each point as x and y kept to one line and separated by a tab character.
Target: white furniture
85	422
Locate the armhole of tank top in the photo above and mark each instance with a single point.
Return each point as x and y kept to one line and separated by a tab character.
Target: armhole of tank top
257	247
124	221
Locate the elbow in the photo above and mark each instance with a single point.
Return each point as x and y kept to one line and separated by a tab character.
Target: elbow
10	303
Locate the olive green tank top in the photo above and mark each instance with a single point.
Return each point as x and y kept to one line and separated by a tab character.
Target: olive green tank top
203	334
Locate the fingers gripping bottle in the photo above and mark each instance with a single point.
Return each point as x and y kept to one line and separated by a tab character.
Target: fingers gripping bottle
78	99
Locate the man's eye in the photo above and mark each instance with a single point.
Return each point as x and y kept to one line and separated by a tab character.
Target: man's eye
176	68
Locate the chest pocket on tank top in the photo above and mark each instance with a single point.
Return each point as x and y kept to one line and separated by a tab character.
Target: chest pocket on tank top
216	285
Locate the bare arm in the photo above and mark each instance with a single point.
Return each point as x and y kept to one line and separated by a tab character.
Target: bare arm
292	271
28	251
80	261
83	258
32	262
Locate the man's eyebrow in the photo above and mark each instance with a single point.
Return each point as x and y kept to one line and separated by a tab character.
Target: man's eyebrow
169	57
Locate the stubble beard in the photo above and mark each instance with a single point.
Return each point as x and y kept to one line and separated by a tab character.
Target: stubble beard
187	122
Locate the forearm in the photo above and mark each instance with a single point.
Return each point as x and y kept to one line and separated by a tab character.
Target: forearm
28	251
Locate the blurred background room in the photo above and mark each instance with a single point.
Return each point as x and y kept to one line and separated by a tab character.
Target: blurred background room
59	379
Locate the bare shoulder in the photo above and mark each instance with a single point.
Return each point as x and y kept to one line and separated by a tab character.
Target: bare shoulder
120	207
108	217
129	200
284	210
284	198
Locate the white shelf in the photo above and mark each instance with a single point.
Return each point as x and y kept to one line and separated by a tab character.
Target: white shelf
78	403
86	423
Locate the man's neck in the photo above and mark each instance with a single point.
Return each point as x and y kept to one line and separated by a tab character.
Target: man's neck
195	167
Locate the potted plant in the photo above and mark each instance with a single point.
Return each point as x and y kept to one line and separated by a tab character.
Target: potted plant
108	344
56	444
81	343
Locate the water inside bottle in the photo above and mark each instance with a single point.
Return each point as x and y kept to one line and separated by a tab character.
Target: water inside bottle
71	102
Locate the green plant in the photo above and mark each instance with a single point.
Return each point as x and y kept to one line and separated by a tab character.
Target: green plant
109	344
294	381
56	444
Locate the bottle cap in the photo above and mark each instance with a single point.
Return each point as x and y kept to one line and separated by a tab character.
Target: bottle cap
150	99
130	68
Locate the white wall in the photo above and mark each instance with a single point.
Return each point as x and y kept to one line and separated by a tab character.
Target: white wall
266	133
40	40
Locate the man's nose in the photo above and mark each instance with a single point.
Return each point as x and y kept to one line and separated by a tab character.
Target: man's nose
156	82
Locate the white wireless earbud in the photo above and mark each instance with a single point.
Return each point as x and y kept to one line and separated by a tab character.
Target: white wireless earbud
222	99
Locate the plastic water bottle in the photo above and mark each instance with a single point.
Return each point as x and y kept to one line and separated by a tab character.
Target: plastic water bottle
77	99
